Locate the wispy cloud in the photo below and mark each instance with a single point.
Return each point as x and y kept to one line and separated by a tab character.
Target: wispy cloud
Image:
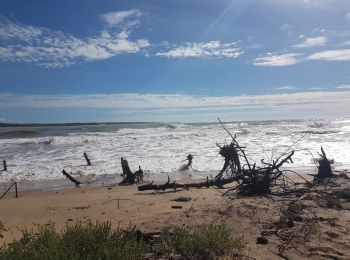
47	48
114	18
146	101
346	43
175	107
287	87
347	17
344	86
312	42
277	60
214	49
331	55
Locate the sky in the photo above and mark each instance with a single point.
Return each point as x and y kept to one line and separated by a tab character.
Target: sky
182	61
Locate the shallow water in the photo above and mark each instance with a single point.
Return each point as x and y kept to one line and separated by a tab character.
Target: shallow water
41	152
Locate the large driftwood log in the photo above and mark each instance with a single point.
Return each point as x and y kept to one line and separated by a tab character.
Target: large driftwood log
12	185
252	179
71	178
5	165
87	159
130	177
324	167
219	183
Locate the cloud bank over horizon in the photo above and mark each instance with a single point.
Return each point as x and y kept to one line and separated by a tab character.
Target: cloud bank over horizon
142	107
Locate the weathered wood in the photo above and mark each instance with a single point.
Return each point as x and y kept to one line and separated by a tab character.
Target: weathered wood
16	190
87	159
219	183
324	167
129	176
139	175
251	179
187	166
71	178
13	184
5	165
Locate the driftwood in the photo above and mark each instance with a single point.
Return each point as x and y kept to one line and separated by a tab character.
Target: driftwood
219	183
259	180
324	167
251	179
87	159
5	165
130	177
187	166
16	190
71	178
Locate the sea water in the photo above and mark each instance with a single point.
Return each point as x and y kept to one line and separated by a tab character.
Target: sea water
41	152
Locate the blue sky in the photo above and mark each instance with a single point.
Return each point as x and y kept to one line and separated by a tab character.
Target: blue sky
190	61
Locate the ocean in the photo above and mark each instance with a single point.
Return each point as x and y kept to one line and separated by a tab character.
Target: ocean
40	152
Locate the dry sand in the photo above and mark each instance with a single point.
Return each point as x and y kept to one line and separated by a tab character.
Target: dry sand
325	237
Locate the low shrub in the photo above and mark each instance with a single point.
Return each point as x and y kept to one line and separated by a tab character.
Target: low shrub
207	242
182	199
99	241
2	228
293	211
80	241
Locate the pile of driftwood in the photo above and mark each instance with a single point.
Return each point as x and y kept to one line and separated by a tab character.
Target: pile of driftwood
251	179
130	177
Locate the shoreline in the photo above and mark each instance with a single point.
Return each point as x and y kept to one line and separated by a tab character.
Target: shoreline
113	179
151	211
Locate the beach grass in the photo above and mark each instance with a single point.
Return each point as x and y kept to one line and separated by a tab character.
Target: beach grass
79	241
2	228
99	241
182	199
206	242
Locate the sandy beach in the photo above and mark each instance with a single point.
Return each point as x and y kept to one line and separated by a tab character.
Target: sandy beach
323	234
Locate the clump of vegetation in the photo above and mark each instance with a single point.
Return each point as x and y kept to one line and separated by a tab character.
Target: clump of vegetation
333	203
80	241
2	228
344	194
293	211
208	242
100	241
182	199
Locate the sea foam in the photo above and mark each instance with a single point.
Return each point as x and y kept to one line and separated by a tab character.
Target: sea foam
160	148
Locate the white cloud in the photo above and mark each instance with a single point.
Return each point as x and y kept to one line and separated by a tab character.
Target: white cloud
214	49
347	17
347	43
331	55
148	101
343	86
286	27
277	60
312	42
42	46
311	3
284	87
114	18
175	107
10	30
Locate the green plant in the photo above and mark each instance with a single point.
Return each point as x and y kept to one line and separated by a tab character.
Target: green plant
293	211
182	199
207	242
80	241
2	228
99	241
333	203
344	194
